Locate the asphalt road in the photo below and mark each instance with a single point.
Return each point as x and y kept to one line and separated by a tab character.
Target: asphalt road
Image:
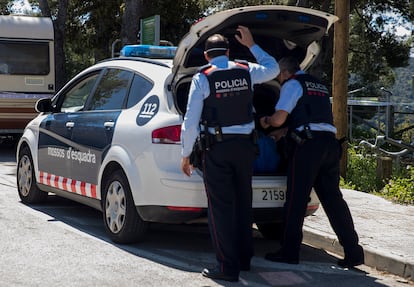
62	243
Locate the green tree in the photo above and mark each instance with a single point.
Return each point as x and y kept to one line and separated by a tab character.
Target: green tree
84	31
173	25
91	27
375	49
87	29
5	7
57	10
132	11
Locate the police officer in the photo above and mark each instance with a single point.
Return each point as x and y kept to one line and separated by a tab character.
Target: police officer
304	106
220	97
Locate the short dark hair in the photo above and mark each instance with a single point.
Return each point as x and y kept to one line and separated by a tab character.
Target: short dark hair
216	45
291	64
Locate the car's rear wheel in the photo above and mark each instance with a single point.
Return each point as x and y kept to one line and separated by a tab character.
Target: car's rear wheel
26	180
121	218
273	230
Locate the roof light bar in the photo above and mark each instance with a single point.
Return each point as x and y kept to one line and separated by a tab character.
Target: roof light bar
148	51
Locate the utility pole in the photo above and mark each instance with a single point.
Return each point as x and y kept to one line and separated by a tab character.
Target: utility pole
340	75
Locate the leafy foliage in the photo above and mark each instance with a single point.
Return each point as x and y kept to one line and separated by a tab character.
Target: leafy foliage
374	47
92	26
400	188
174	25
361	171
5	7
362	176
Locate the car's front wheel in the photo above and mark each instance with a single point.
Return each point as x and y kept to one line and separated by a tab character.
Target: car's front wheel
26	180
121	218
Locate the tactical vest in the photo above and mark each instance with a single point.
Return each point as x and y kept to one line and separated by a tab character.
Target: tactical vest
231	96
314	106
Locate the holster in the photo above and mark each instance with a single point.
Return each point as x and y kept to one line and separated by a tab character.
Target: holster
301	137
201	144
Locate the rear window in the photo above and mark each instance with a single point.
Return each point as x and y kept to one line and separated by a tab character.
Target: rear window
111	91
139	89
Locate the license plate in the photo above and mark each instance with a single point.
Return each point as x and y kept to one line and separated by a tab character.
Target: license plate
270	195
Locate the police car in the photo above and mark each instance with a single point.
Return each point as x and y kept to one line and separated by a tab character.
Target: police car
110	138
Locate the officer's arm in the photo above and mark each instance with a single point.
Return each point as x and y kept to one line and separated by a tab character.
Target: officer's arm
276	120
267	67
190	125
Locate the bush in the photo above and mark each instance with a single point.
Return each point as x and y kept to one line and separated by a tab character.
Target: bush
361	171
400	188
362	176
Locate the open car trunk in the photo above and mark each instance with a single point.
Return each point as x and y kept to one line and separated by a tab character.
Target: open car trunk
279	30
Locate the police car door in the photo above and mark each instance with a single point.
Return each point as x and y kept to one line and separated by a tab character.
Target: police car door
55	132
94	128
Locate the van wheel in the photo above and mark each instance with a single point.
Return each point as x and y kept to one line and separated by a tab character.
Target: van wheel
26	180
121	218
273	230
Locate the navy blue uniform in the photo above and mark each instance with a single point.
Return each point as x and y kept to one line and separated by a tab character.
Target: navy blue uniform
221	96
313	163
228	167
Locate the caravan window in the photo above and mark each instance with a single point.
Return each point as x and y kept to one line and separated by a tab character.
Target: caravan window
24	58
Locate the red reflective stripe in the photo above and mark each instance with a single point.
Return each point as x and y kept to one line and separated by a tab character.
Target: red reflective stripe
64	183
48	179
73	186
41	177
93	190
82	187
67	184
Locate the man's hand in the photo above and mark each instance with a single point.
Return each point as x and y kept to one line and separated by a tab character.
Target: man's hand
278	134
186	167
264	122
245	37
276	120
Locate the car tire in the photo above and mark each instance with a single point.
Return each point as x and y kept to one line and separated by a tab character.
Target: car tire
122	221
273	231
26	179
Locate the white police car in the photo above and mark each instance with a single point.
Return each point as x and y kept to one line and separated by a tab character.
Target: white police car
110	138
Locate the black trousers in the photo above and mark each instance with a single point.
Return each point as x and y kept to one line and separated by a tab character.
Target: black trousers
228	170
315	163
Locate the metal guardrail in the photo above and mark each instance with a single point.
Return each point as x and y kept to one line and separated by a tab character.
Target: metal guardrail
380	140
386	110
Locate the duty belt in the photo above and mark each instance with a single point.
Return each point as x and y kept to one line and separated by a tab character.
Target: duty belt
235	136
302	136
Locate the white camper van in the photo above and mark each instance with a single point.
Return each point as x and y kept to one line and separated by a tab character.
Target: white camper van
27	70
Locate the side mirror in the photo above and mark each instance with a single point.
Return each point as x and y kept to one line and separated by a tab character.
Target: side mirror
44	105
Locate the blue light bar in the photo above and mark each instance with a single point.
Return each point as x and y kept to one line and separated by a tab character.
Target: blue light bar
148	51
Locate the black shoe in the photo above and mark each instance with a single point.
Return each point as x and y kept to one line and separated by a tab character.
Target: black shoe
217	274
278	257
353	259
346	263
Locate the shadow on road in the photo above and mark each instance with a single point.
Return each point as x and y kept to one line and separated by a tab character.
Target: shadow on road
188	248
8	150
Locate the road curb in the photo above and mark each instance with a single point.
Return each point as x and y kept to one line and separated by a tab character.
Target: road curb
374	258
